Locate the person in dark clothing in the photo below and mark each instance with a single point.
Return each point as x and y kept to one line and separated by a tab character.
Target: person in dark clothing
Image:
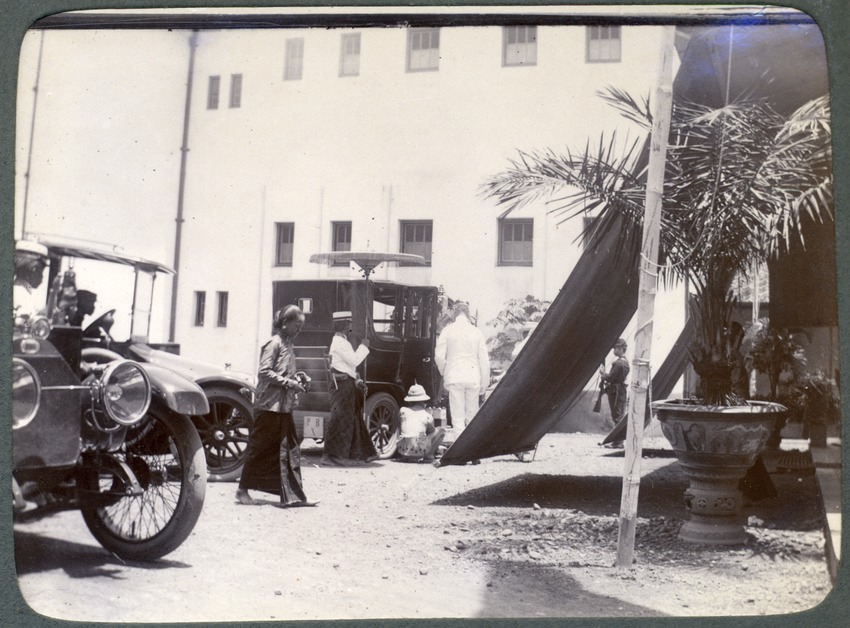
85	307
347	440
615	385
273	457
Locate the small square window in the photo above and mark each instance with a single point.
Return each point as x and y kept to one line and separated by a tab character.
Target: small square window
519	45
285	233
603	44
294	63
221	318
516	242
423	49
213	91
235	91
200	306
349	55
416	238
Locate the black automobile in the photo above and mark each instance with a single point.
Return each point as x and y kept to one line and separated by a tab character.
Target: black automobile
400	322
114	440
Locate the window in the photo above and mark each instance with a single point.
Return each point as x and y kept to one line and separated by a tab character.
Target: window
416	238
294	59
285	238
200	306
516	239
349	55
519	45
235	91
212	92
423	49
341	239
221	318
603	44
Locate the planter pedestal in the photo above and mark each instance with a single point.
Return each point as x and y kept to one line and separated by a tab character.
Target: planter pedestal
716	446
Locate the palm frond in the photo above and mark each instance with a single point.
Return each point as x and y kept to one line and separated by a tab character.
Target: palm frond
629	108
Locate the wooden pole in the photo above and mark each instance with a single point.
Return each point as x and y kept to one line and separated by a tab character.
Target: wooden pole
641	376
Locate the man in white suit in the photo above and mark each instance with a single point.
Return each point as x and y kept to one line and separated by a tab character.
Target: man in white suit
462	360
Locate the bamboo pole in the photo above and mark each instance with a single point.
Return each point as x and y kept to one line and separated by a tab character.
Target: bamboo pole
641	377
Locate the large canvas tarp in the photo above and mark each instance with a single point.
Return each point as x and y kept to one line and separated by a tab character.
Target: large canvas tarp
572	339
784	63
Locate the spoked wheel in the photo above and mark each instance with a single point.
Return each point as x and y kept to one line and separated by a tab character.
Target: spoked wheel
224	433
383	422
166	458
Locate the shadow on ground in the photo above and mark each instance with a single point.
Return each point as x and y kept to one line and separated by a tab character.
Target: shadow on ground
522	589
661	495
36	553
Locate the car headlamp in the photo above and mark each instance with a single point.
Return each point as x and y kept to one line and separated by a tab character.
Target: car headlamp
125	392
40	327
26	393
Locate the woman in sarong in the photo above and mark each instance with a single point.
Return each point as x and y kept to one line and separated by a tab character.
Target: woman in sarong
273	457
347	441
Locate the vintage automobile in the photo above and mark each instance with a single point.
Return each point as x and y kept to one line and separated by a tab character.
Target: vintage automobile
224	428
400	322
113	440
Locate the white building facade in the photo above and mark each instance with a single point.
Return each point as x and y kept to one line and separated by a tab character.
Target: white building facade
313	140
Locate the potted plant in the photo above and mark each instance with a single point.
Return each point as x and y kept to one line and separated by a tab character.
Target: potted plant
781	358
738	181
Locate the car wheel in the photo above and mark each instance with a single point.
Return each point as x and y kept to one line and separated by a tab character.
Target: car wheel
383	423
166	457
224	433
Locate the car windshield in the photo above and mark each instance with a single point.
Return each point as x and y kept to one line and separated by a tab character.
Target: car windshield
115	286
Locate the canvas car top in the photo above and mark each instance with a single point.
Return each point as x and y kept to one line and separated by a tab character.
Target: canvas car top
59	246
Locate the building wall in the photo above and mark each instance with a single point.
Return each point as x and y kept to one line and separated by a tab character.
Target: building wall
103	160
385	146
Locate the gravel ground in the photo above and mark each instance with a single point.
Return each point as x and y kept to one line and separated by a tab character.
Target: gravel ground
401	540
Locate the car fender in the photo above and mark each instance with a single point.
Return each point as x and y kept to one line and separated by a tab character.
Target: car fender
238	384
180	394
394	390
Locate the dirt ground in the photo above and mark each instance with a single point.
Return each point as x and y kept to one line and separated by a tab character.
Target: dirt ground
400	540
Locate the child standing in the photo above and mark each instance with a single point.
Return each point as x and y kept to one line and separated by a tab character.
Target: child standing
419	438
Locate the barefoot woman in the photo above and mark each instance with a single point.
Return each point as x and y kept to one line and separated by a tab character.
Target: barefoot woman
273	458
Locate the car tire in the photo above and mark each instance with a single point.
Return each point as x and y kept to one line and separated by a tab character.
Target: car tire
224	433
383	423
167	459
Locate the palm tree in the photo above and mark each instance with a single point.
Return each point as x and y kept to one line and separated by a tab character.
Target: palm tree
739	181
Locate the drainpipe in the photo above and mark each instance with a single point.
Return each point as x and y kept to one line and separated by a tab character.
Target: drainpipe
32	137
184	150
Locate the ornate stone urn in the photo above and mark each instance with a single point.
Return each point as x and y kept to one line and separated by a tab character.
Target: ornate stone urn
715	446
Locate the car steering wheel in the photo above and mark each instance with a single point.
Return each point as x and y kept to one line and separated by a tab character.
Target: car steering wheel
99	327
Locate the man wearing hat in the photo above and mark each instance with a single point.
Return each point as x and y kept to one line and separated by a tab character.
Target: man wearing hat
419	438
347	440
30	262
615	385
